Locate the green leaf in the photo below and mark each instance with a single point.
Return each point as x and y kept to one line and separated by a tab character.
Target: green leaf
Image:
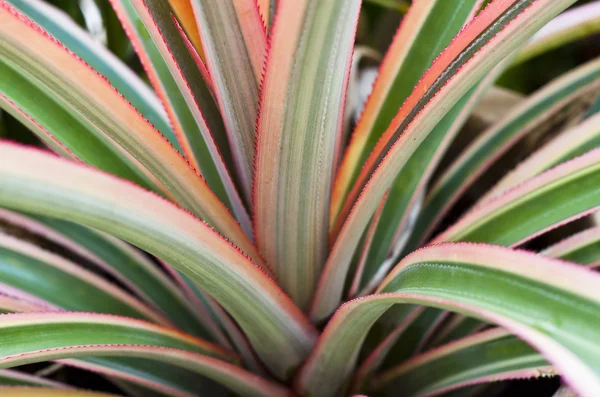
458	327
498	30
97	56
404	199
23	98
188	101
126	264
548	104
492	355
298	142
379	355
65	284
43	184
9	377
91	97
235	47
33	332
425	31
569	144
43	337
540	204
552	305
582	248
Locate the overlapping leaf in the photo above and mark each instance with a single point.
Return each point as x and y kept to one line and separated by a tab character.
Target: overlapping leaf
550	304
500	28
298	141
41	183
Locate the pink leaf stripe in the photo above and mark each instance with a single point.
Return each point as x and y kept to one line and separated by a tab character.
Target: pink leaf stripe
299	127
187	90
346	330
587	163
376	358
462	41
196	57
235	378
329	290
45	135
586	237
462	344
39	229
86	276
106	203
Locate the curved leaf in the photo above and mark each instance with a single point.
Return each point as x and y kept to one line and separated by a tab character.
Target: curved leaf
34	181
548	104
566	146
492	355
121	261
377	357
458	327
93	98
552	305
186	97
195	375
9	377
49	277
540	204
405	198
185	14
23	98
31	332
582	248
496	31
103	61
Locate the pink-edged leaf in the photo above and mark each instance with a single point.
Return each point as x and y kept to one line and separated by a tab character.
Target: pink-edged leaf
496	31
235	45
43	274
567	145
376	358
13	300
582	248
538	205
299	127
202	68
551	104
231	376
229	332
425	30
551	304
490	356
13	377
405	199
185	14
102	252
15	223
174	75
42	183
118	120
